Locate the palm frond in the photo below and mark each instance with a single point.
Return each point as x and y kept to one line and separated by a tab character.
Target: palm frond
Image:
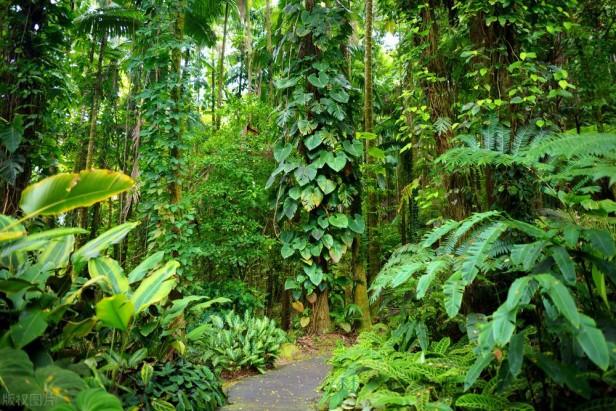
110	21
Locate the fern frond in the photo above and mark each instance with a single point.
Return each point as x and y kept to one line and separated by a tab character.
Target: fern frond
482	402
465	228
522	138
439	232
454	291
479	250
110	21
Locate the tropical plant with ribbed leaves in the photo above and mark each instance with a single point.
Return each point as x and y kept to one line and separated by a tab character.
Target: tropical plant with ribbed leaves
44	293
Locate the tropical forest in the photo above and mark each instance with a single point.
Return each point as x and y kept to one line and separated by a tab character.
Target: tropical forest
295	205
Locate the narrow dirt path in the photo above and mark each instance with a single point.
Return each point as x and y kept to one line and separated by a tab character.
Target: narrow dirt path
292	387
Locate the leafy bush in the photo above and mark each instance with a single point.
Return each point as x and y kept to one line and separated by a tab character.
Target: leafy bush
234	342
242	297
184	385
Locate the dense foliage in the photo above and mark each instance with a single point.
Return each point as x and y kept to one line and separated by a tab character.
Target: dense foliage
189	184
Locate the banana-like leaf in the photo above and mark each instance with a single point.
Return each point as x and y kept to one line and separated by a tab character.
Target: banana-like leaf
38	240
57	253
115	311
31	325
146	265
111	270
66	191
93	248
97	399
155	287
16	371
10	229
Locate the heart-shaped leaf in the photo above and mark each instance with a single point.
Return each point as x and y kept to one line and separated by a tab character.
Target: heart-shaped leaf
337	162
339	220
282	152
115	311
313	141
325	184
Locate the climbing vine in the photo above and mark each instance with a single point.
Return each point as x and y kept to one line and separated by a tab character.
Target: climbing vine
317	152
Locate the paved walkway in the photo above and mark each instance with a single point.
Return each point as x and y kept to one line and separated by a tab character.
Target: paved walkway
291	387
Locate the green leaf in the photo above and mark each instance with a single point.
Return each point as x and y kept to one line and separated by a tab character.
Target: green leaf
16	372
31	325
289	208
311	198
281	84
287	251
66	191
602	241
340	96
571	234
319	81
11	134
57	253
337	162
325	184
482	402
354	148
305	174
357	224
111	270
155	287
502	326
10	229
526	255
281	153
313	141
564	263
146	265
592	341
560	296
475	370
454	291
93	248
339	220
115	311
58	384
97	399
306	126
314	273
515	354
295	193
405	272
38	240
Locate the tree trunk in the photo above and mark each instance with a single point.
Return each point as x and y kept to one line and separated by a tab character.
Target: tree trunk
175	186
221	66
320	322
268	36
360	293
372	206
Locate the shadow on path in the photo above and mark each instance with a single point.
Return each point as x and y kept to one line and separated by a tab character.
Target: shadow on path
291	387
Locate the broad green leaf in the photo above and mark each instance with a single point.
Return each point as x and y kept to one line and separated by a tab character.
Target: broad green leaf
601	241
10	229
515	354
57	253
337	162
305	174
357	224
306	126
592	341
93	248
564	263
16	372
339	220
313	141
282	152
31	325
503	326
97	399
325	184
11	134
287	251
66	191
38	240
598	279
115	311
354	148
311	198
340	96
319	81
57	385
78	329
526	255
281	84
289	207
475	370
146	265
111	270
571	234
336	251
561	297
314	273
155	287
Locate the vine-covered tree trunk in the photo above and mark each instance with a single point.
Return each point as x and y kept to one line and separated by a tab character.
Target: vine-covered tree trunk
175	187
372	199
221	67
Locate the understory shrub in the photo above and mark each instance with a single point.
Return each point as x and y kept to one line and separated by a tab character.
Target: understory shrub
232	342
